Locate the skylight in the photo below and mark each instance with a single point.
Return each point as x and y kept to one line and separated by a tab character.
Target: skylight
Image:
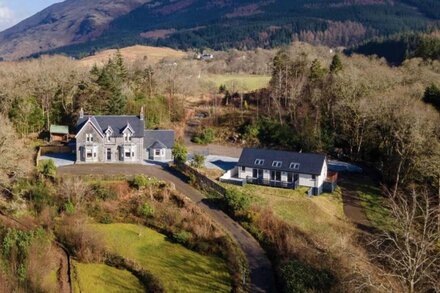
259	162
277	164
294	166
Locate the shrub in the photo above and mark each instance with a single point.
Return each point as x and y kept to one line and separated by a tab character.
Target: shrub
81	242
199	161
206	136
69	207
140	181
146	210
40	195
300	277
180	153
237	201
182	237
103	192
47	168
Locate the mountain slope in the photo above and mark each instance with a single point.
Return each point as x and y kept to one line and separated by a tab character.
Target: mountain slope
80	26
72	21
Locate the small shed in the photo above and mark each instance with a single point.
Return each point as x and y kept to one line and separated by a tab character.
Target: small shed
59	133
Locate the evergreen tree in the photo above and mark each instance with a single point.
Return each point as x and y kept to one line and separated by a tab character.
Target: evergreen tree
317	72
121	70
336	64
432	96
116	104
95	72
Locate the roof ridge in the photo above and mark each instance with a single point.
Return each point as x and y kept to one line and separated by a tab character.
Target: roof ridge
284	151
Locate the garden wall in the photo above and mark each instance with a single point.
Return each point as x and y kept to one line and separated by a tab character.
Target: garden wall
201	180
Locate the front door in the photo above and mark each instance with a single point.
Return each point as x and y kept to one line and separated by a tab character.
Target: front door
109	154
255	173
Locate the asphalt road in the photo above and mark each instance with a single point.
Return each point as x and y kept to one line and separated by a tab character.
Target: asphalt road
261	272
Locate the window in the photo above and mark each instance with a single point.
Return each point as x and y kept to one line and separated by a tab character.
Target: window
243	168
277	164
89	154
108	137
127	137
314	177
294	166
259	162
158	152
89	137
128	154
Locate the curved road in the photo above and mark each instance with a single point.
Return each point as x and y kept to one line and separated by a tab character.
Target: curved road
260	267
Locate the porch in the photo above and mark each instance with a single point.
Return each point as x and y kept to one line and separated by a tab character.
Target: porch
273	182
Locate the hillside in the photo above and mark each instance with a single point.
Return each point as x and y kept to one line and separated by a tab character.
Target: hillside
78	27
131	54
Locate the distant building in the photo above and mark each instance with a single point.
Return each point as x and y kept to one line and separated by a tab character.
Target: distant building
283	169
120	139
59	133
204	56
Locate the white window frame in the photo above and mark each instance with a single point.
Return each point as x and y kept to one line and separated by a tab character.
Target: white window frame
259	162
89	137
294	166
277	164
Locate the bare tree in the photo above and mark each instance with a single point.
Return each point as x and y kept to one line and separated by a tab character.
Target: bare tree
74	190
409	249
16	158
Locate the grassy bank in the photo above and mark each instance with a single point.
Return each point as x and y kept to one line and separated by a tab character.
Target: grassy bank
97	278
321	216
178	268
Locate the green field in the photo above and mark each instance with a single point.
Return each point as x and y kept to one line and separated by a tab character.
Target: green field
178	268
241	82
97	278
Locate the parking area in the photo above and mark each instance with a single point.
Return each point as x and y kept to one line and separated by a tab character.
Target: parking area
220	162
60	160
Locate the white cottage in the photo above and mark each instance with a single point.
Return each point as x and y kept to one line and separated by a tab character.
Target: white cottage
283	169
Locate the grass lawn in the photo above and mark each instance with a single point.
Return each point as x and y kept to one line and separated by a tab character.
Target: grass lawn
179	269
320	216
97	278
245	82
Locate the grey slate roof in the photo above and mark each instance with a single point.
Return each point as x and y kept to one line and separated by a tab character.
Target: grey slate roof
117	123
308	163
161	138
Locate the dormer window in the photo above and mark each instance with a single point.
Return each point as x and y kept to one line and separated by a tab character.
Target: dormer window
128	133
89	137
259	162
294	166
277	164
108	133
127	137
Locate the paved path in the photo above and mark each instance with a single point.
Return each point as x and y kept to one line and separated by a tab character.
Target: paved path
260	267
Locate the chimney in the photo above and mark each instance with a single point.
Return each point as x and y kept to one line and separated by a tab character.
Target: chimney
141	116
81	113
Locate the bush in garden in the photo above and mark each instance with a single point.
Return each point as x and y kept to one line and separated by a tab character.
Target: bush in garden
199	161
180	153
47	168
